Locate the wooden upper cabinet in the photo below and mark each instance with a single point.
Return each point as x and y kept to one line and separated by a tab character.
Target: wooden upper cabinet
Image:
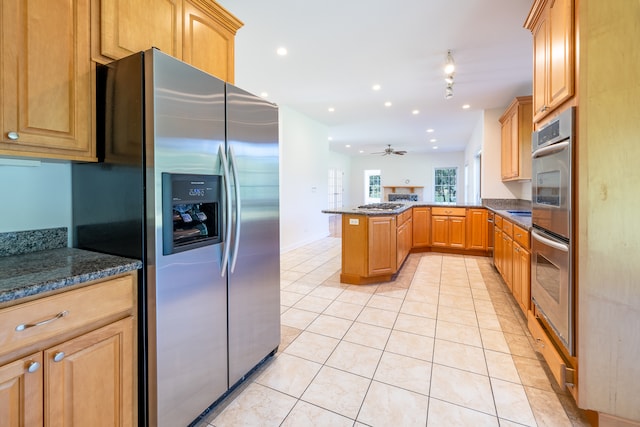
517	125
209	38
199	32
46	79
124	27
551	23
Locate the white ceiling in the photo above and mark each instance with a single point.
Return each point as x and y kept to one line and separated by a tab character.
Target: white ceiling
338	49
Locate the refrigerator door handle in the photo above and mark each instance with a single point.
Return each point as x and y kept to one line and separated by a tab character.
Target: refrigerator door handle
227	195
238	210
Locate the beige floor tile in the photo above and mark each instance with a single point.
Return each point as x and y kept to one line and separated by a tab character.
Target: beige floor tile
314	347
314	304
480	292
519	345
457	315
385	303
458	333
460	291
355	358
494	340
460	356
297	318
377	317
488	321
369	335
456	301
289	374
445	414
328	292
412	345
256	406
484	306
512	403
501	366
354	297
425	294
344	310
420	308
404	372
289	298
531	373
391	291
306	414
416	325
546	408
462	388
330	326
337	391
386	405
287	335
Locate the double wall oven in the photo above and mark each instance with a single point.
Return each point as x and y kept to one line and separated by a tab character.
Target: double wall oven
552	240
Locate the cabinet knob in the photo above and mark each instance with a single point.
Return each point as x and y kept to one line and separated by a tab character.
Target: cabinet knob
13	136
58	356
32	366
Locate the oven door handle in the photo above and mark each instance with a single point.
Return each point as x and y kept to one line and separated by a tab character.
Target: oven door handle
545	241
550	149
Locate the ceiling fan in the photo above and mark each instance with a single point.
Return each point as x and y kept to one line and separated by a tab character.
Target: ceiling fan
387	151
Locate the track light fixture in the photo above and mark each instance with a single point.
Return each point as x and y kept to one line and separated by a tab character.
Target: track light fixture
449	72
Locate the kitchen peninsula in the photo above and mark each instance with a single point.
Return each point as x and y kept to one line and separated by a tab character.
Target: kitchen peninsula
377	238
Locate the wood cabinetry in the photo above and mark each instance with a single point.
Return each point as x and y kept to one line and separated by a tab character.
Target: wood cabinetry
516	127
477	229
552	24
448	227
70	358
199	32
404	236
512	258
46	80
421	227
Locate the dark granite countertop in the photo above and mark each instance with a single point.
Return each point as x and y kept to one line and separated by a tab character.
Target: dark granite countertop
28	275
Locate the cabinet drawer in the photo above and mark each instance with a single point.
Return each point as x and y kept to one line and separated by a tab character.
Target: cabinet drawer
403	217
507	228
498	221
521	236
544	346
448	211
49	318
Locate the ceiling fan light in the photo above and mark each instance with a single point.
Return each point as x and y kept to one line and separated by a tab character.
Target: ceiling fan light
448	93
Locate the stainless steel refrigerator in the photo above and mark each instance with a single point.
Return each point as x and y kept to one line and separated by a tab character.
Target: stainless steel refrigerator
188	182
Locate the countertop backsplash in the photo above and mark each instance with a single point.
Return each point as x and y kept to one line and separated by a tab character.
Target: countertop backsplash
23	242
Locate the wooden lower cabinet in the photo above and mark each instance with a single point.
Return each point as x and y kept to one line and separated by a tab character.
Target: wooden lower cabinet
421	227
507	260
477	229
522	277
404	237
382	239
448	227
77	369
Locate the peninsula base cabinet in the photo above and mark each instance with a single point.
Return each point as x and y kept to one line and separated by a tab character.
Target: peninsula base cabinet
512	258
69	359
448	227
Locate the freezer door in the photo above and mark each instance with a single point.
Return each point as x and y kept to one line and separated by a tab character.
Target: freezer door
254	276
187	294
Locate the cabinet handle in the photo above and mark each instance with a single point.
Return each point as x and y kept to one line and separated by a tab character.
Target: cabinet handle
13	136
543	109
32	366
24	326
58	356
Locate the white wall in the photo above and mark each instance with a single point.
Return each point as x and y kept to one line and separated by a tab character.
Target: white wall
395	170
304	163
492	185
35	194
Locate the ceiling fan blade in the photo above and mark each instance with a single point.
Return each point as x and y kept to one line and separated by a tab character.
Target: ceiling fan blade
401	153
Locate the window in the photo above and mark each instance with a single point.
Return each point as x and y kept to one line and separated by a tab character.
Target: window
445	184
372	188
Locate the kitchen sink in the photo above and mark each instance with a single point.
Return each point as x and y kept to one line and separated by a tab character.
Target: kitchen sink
520	213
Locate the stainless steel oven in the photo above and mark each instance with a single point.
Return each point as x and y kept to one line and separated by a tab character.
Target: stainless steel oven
551	254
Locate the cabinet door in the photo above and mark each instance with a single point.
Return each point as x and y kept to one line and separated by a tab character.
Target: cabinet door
516	288
540	41
21	385
439	230
90	379
382	245
507	264
421	226
457	231
127	27
506	148
522	276
477	229
561	52
498	249
208	42
46	78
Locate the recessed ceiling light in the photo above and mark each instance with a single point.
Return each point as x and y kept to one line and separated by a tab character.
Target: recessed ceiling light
376	87
331	109
387	104
282	51
361	151
435	147
414	112
330	138
466	106
429	130
264	94
348	146
432	140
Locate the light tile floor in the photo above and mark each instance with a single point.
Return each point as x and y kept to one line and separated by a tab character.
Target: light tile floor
443	344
